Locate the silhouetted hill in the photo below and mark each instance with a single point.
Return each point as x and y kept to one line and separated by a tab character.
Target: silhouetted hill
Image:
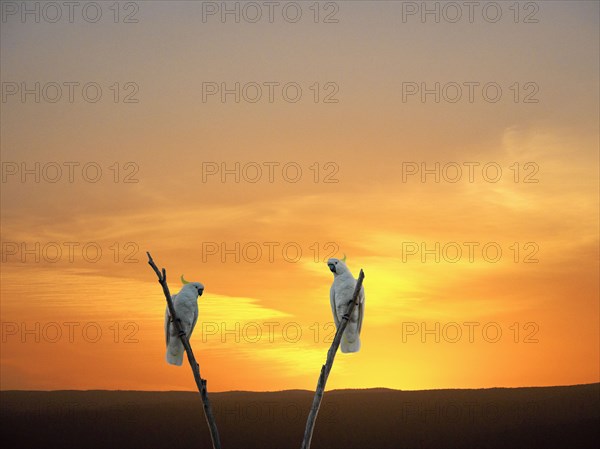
544	417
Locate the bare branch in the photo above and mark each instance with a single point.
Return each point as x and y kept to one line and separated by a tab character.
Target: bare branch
325	369
200	383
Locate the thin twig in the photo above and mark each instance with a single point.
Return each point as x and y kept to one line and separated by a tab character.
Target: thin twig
201	383
325	369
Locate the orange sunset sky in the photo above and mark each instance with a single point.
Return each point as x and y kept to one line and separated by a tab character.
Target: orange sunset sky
526	316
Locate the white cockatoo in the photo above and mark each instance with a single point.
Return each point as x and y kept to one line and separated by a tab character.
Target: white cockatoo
186	308
340	296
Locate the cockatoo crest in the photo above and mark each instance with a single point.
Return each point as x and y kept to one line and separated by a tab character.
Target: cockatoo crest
196	285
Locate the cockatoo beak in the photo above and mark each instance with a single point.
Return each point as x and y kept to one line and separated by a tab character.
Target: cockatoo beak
331	267
200	292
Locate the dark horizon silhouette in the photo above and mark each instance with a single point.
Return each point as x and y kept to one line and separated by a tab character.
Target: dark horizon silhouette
533	417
